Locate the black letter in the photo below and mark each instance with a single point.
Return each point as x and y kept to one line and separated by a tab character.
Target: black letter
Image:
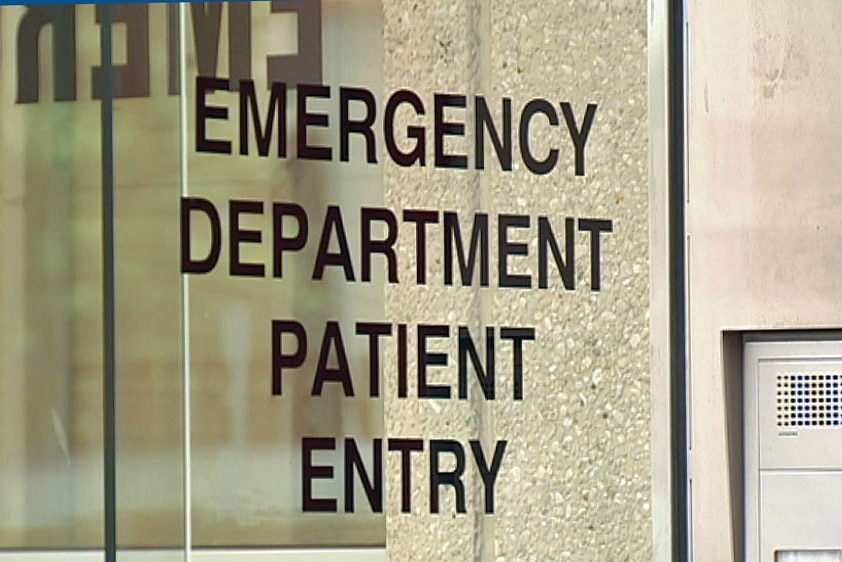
373	331
347	126
485	377
518	336
238	235
279	359
413	132
421	220
263	135
188	264
204	85
566	268
333	220
489	475
451	478
406	446
479	244
385	246
305	151
373	490
536	166
403	377
503	147
506	249
434	359
310	472
342	373
595	226
580	137
282	243
447	128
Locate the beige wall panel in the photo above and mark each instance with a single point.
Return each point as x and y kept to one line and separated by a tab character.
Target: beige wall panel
763	213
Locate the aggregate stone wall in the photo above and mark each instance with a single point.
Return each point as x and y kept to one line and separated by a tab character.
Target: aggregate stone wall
575	480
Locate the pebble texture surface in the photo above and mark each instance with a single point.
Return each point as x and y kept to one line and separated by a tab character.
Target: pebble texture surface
575	482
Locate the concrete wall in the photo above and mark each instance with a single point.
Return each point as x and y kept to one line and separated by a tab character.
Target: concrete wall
763	229
576	480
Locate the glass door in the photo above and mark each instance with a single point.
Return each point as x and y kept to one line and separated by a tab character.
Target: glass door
144	179
257	306
92	434
143	408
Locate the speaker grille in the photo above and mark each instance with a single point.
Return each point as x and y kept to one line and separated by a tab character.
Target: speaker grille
809	400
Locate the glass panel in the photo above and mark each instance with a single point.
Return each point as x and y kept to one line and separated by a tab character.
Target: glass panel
51	302
51	461
247	441
150	437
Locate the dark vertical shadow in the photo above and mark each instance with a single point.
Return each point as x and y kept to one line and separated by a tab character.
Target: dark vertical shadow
109	286
678	306
732	369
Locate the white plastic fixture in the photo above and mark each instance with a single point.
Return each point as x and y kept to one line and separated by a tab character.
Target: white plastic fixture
792	412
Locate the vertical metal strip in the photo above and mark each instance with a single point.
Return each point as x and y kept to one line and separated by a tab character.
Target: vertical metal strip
678	304
185	288
109	284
